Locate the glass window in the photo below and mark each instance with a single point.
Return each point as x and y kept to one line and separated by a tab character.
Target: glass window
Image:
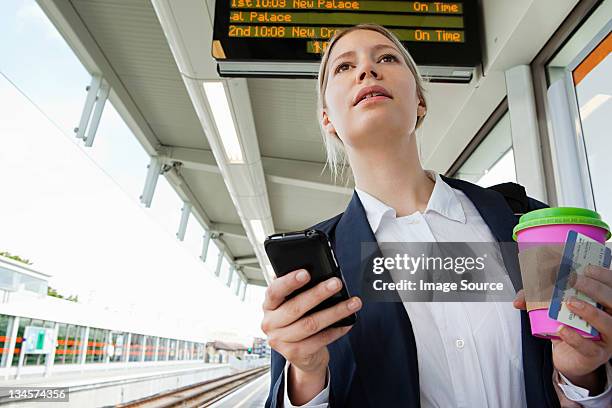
181	350
117	347
200	351
96	345
193	351
163	349
60	349
593	84
584	67
5	325
150	348
492	162
72	343
172	346
136	347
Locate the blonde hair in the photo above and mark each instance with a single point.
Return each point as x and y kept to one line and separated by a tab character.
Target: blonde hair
336	155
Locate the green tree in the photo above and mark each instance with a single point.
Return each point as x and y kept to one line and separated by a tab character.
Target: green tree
55	293
17	258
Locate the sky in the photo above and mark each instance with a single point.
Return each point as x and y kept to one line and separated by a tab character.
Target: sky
74	211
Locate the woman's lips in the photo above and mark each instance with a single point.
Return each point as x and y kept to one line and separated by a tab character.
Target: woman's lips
372	99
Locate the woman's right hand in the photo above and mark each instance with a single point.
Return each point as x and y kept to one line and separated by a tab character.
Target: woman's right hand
303	340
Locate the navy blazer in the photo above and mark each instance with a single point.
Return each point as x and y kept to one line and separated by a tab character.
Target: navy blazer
375	364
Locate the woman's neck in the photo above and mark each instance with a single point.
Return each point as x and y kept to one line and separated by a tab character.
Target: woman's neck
393	175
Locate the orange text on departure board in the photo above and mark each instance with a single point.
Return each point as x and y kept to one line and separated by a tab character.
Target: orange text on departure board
435	6
297	4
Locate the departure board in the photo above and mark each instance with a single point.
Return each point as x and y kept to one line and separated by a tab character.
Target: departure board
437	33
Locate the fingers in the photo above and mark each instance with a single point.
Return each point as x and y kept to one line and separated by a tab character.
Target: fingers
309	346
599	273
597	318
312	324
519	301
586	347
296	307
283	286
596	289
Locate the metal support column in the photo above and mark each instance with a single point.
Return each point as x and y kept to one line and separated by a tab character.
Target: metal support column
238	284
97	113
156	353
85	340
219	261
92	94
50	358
108	346
230	275
127	347
151	181
525	131
7	361
143	351
185	213
97	94
205	242
244	291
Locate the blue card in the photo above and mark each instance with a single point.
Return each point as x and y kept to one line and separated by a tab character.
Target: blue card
579	252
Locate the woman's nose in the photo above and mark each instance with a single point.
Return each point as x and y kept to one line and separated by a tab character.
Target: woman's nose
367	71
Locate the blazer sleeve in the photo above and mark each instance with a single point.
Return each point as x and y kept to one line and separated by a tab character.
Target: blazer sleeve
275	397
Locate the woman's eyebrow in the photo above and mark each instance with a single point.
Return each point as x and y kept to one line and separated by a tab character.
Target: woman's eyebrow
344	54
378	47
375	48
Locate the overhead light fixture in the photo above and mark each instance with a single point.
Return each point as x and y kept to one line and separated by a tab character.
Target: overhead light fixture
593	104
258	230
219	105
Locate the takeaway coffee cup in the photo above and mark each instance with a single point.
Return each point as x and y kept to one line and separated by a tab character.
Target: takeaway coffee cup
541	235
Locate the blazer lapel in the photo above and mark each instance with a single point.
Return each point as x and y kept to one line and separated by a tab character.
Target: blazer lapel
496	213
382	340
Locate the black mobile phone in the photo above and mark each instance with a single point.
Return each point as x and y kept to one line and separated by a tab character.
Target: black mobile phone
310	250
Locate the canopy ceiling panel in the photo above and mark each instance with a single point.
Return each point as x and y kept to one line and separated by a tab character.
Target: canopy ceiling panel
296	208
241	247
131	38
297	135
210	188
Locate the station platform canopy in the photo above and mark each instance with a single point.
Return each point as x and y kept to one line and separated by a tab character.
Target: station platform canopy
246	153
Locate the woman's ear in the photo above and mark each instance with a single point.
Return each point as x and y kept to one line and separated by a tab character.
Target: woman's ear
327	125
421	109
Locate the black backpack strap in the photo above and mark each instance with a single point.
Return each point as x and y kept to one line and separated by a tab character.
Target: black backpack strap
517	198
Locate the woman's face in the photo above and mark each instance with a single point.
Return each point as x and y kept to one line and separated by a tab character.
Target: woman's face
370	90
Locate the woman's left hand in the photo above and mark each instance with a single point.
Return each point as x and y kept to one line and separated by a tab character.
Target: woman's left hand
575	357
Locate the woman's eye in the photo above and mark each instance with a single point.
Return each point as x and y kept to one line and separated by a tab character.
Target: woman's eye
342	67
388	58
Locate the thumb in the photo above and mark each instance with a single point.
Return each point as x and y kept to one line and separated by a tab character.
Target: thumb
519	301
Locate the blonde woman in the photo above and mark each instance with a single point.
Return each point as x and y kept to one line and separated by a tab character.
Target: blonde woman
413	354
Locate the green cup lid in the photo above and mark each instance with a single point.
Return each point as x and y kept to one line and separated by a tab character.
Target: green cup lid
560	215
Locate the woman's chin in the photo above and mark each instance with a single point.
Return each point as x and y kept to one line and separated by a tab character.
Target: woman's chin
378	123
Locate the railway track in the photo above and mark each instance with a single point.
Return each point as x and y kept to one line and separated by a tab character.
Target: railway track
202	394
